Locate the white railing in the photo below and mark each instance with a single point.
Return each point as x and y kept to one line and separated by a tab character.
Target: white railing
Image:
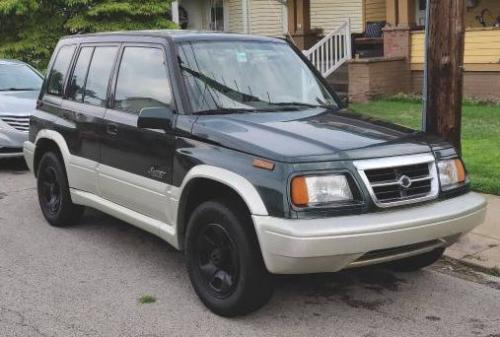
332	51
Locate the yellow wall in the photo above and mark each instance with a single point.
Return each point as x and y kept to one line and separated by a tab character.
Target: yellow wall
374	10
330	14
492	5
482	50
266	17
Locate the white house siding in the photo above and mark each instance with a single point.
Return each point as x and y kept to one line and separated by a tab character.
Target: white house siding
266	17
329	14
235	16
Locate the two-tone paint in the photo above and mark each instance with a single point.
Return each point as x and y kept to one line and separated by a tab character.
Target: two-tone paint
144	176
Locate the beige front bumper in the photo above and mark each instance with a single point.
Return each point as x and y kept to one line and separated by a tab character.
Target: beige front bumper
331	244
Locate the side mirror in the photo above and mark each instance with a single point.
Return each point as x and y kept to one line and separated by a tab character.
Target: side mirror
155	118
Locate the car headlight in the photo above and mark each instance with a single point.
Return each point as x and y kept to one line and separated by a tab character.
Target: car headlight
451	173
310	191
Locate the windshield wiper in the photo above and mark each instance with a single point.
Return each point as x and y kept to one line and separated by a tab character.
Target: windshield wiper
222	88
300	104
224	111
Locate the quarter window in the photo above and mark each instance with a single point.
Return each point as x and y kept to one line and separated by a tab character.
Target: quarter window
142	80
59	70
96	88
77	84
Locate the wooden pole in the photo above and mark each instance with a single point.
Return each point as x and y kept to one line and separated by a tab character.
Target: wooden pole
444	67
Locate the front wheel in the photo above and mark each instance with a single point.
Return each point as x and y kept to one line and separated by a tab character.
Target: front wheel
53	192
224	261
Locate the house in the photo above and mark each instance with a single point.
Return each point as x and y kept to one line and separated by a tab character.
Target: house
384	38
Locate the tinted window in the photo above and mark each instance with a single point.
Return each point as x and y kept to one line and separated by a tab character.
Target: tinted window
59	70
18	77
77	84
98	77
144	66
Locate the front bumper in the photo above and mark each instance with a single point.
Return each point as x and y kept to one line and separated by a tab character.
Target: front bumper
11	141
29	155
294	246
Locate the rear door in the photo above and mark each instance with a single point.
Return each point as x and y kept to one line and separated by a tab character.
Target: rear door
136	169
85	101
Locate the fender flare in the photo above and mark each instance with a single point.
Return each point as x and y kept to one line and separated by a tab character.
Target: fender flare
238	183
57	138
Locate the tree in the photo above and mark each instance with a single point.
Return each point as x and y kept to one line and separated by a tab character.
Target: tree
30	29
445	57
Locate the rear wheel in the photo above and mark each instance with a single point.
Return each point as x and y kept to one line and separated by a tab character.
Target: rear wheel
53	192
224	261
417	262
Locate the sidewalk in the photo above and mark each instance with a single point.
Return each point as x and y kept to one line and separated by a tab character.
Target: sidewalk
481	247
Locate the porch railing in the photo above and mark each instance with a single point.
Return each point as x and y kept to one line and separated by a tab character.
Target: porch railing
332	51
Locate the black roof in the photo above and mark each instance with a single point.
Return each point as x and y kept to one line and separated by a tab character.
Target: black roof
176	35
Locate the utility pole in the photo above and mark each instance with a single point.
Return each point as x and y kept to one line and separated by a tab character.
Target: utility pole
443	90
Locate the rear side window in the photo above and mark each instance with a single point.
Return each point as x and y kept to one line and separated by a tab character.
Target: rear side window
59	70
98	75
142	80
77	83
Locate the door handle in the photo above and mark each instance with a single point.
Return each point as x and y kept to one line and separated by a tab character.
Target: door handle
112	129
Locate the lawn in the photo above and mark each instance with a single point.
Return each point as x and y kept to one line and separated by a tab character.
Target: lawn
480	135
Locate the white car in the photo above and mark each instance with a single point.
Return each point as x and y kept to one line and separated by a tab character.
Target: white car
19	88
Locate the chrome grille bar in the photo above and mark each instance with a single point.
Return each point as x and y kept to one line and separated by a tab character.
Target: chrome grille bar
21	123
397	181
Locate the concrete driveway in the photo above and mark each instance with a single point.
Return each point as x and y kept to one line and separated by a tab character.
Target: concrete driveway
87	281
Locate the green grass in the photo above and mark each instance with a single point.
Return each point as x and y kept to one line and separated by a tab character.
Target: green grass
480	135
147	299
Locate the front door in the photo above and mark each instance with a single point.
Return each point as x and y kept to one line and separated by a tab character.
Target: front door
136	169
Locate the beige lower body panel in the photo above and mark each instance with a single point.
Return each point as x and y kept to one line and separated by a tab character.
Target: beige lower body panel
328	245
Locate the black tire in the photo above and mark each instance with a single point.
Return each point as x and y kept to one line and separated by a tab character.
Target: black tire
224	260
417	262
53	192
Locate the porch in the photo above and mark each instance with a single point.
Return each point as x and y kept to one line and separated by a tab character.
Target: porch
404	50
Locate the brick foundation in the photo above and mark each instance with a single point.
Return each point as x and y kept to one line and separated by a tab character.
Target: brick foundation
477	84
397	42
384	76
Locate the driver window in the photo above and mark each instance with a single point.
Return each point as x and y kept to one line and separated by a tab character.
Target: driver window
142	80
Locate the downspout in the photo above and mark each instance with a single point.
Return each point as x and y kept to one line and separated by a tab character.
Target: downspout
246	16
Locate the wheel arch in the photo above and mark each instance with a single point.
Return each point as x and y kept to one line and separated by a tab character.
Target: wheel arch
49	140
206	182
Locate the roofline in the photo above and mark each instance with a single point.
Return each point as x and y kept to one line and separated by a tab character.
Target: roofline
174	34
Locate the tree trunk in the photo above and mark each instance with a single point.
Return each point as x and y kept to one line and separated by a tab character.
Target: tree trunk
445	57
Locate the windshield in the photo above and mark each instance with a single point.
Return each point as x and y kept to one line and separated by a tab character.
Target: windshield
17	77
248	76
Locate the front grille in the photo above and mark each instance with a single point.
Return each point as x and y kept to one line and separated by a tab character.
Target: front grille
387	183
21	123
400	180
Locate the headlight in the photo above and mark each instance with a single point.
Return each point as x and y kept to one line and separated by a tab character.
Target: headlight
451	173
320	190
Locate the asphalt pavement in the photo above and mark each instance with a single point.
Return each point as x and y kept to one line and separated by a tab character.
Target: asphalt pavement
87	280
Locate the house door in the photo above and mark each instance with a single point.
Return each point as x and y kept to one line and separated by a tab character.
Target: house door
216	15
